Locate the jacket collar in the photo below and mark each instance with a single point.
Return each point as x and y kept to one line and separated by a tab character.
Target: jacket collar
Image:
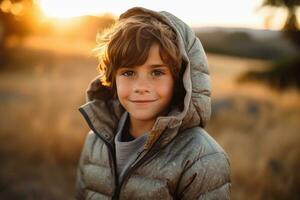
103	118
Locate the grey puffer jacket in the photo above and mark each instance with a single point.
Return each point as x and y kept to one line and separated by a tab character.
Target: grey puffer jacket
179	161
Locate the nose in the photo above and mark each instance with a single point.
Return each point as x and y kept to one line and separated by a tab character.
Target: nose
141	85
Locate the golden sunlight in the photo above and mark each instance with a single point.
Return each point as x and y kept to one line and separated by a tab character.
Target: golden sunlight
64	9
15	8
233	13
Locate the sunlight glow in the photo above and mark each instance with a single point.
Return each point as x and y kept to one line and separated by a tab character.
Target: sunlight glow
234	13
60	9
5	6
15	8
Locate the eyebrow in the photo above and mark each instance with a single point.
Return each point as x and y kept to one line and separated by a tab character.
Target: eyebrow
157	65
151	65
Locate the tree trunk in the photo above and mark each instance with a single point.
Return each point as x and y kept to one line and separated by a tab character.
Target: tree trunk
291	23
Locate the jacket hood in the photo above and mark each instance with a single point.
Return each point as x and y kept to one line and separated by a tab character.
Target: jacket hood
103	114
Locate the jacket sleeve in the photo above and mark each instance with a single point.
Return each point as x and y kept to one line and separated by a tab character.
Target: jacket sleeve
80	187
206	178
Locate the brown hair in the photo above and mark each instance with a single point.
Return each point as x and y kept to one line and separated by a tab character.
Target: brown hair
127	44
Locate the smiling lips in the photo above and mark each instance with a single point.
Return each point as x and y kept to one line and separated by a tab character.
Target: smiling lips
142	101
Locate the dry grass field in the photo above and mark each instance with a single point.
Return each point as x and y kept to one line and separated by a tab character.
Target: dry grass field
42	132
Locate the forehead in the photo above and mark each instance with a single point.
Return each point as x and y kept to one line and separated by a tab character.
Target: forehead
154	55
153	58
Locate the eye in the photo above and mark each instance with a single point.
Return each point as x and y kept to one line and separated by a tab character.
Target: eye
128	73
157	73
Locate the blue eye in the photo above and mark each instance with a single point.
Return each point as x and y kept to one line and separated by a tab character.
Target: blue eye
128	73
157	73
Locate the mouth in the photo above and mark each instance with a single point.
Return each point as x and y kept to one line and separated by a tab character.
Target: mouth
142	101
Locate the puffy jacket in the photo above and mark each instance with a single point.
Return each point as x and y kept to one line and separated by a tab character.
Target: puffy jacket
180	159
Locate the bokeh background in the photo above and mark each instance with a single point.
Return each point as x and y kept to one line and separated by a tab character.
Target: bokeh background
46	63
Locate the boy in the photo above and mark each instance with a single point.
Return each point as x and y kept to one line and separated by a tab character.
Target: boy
147	111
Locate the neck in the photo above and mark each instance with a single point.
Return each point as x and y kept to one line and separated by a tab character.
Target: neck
140	127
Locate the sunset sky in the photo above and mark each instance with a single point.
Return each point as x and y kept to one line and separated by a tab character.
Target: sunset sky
234	13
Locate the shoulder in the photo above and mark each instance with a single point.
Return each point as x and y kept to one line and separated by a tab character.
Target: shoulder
206	143
196	145
91	144
206	162
90	139
199	141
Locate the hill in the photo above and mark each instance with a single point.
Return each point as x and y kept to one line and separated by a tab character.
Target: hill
243	42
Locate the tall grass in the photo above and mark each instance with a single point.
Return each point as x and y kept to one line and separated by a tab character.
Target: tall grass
41	130
259	128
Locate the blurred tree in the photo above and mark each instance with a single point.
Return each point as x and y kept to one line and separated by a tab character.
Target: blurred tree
284	72
291	22
291	25
16	20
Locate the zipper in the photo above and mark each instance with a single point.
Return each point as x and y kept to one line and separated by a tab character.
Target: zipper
110	147
138	162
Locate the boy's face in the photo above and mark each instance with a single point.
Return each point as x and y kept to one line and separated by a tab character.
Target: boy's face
146	91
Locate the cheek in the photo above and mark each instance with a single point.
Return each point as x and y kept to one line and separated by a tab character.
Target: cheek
122	88
166	90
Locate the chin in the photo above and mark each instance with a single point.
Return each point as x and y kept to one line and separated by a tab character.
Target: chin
143	116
